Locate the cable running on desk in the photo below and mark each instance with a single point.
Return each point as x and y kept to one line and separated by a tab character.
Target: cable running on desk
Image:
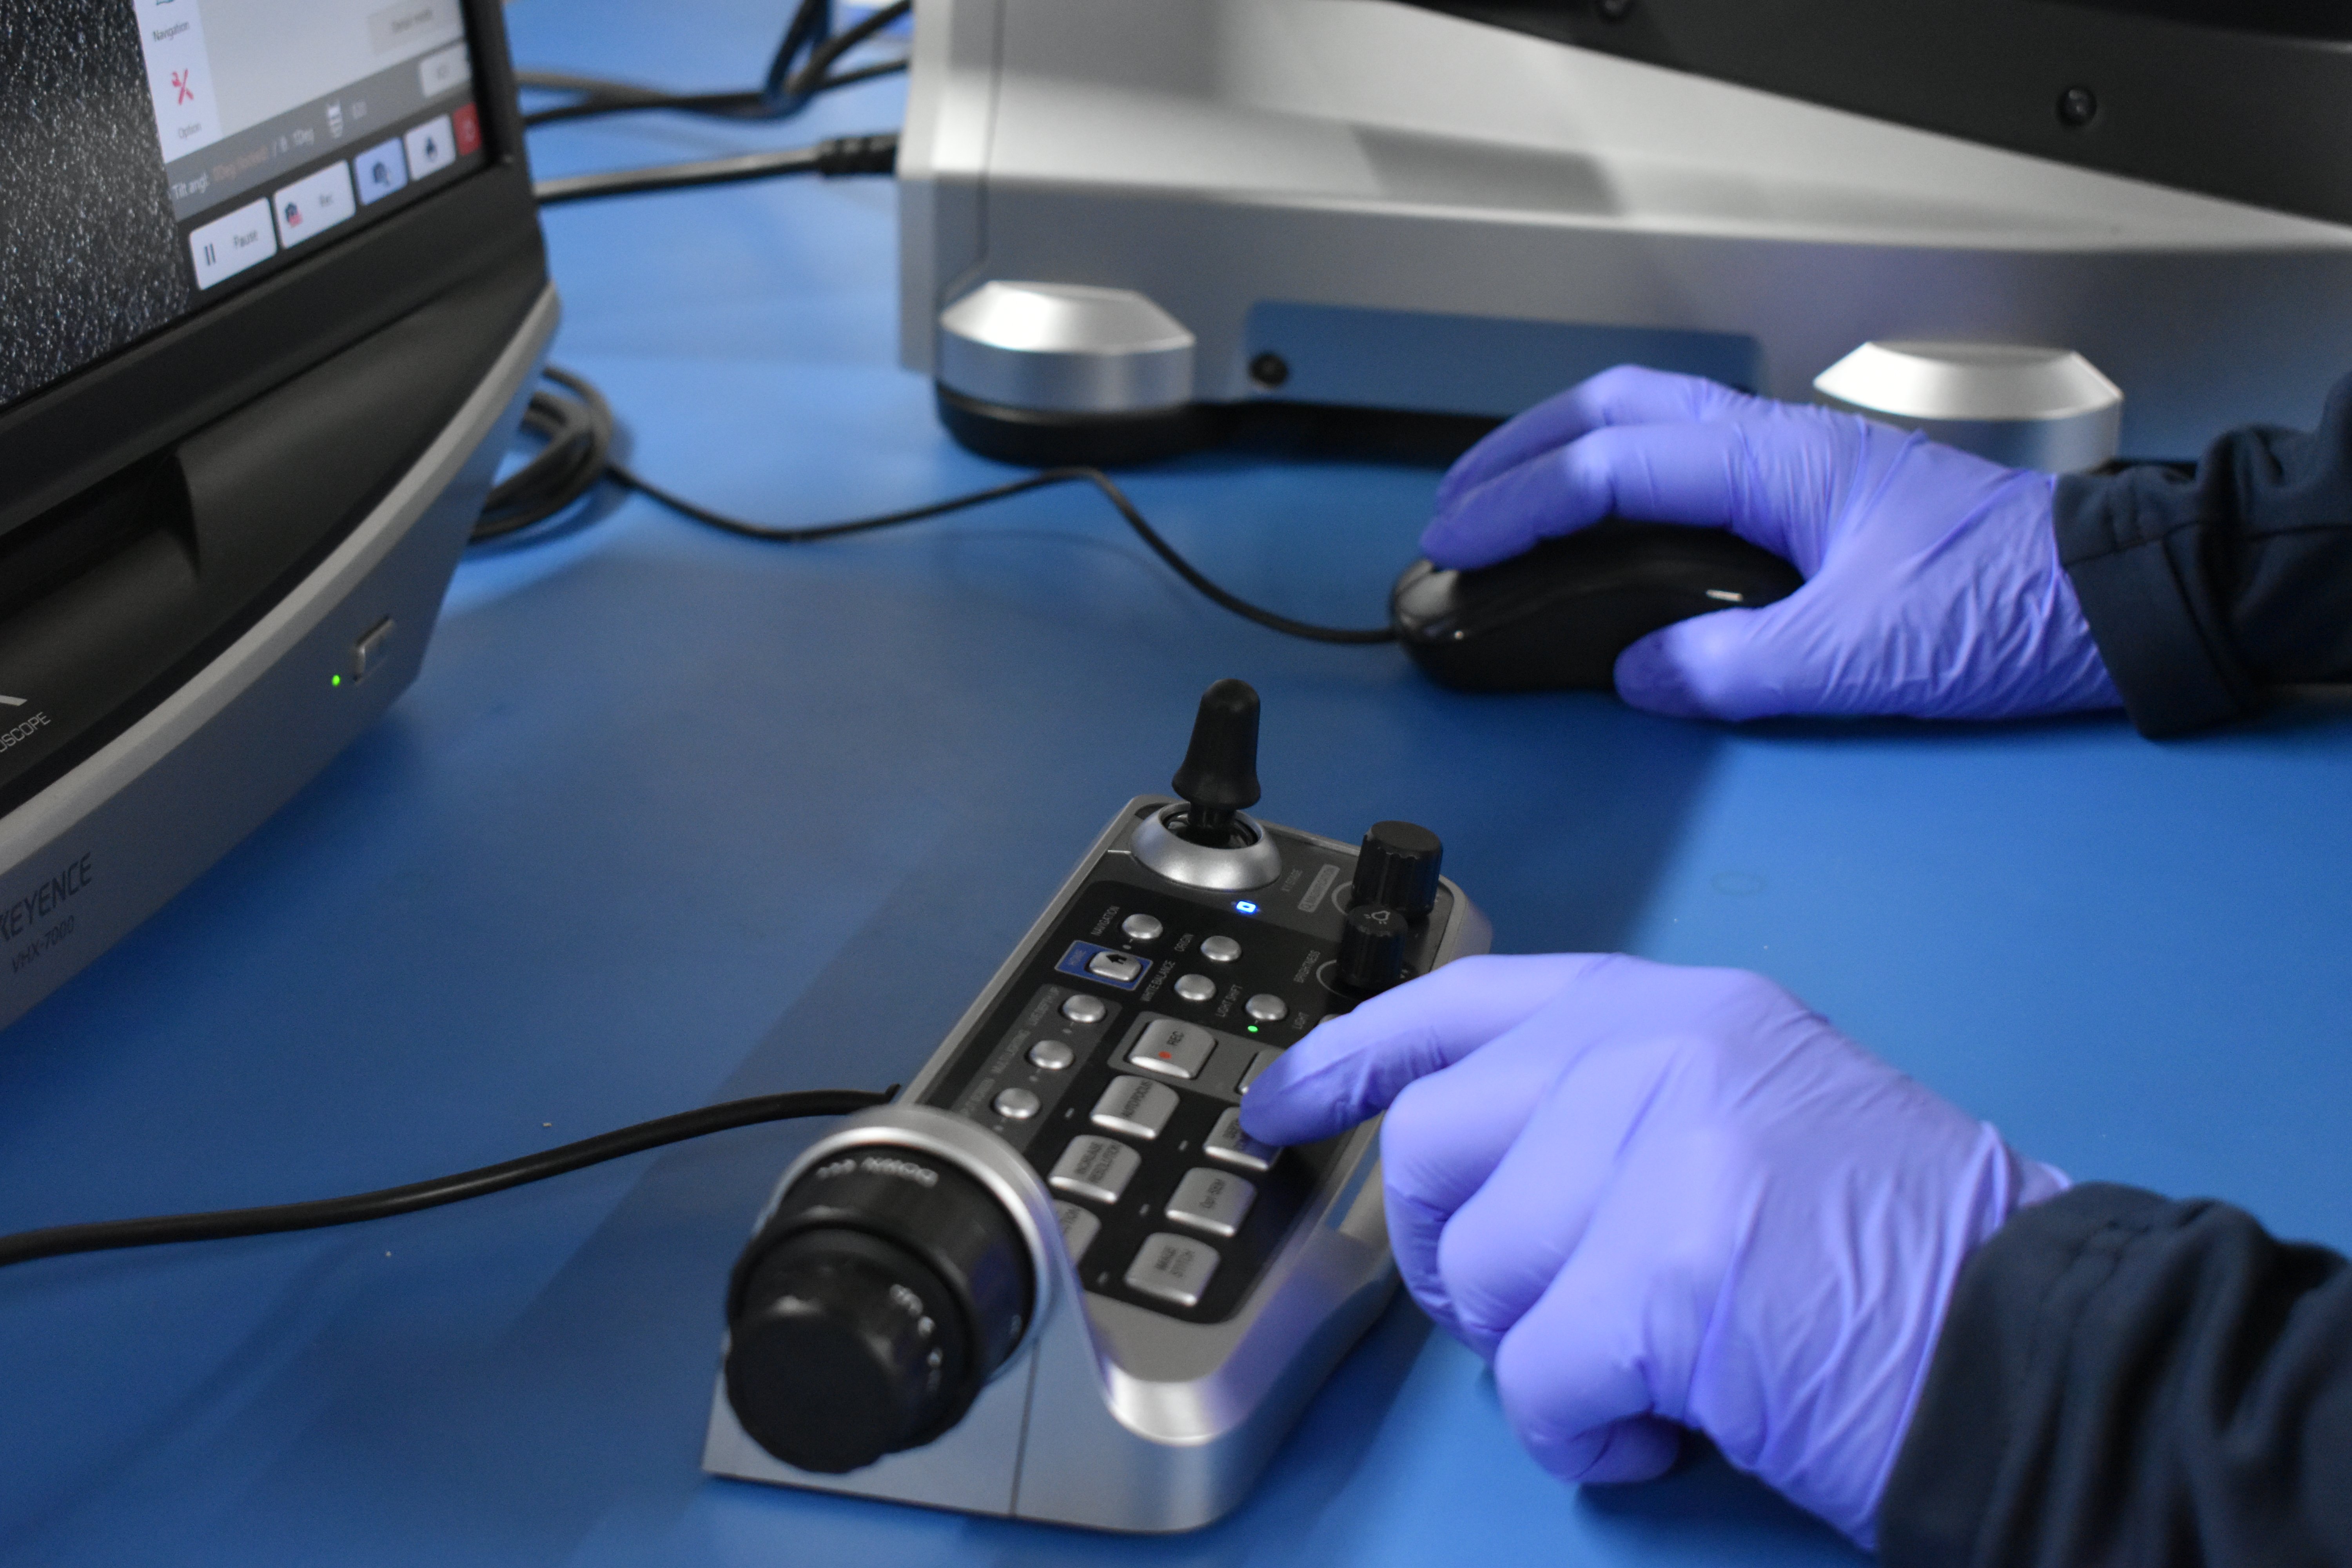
834	158
58	1240
576	433
789	87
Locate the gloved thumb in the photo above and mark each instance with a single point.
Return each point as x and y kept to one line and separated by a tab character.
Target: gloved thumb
1731	664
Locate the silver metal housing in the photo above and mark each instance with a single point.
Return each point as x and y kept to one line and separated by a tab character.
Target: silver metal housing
1416	211
1254	865
1105	1415
158	804
2030	408
1065	348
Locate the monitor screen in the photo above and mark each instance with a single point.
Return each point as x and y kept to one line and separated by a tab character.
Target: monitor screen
157	156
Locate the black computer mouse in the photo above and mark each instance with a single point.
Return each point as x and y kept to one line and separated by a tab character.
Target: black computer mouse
1559	615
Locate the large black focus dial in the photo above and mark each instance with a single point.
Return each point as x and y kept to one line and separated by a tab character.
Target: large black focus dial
1398	865
870	1310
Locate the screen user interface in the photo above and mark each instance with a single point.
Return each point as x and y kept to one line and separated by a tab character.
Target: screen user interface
159	155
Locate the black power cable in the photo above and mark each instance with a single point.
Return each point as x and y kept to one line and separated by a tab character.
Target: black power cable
565	471
832	158
791	81
575	434
58	1240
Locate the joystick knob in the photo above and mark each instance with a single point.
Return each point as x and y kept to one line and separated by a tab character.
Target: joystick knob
1398	867
1220	773
1372	948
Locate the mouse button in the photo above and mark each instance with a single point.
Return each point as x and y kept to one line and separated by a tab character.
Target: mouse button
1574	651
1709	564
1525	588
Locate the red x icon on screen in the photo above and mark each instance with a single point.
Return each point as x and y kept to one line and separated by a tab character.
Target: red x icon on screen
180	85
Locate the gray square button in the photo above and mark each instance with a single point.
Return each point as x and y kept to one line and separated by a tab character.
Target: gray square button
1095	1168
1172	1048
1228	1145
1079	1229
1173	1268
1135	1106
1213	1201
1258	1064
1118	968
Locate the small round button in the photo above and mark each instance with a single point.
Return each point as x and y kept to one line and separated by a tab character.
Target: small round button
1016	1105
1220	950
1196	987
1051	1055
1083	1009
1266	1007
1142	928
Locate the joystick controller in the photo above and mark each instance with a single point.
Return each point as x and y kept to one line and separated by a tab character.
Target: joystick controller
1207	842
1056	1279
1219	777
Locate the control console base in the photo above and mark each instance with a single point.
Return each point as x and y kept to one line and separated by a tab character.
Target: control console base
1193	1289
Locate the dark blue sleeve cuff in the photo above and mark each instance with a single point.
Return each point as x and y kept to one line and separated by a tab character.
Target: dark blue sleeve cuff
2129	541
2206	590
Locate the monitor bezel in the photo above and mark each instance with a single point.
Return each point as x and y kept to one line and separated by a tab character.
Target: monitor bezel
78	431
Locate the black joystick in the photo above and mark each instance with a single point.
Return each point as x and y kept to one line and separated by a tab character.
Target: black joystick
869	1310
1372	948
1398	867
1220	773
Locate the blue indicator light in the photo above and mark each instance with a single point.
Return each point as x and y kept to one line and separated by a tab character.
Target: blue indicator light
1243	907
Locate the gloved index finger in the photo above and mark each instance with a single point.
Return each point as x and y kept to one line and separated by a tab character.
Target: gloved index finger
1710	475
1351	1066
1628	395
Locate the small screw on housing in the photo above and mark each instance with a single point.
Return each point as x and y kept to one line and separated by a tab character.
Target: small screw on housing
1269	370
2077	107
1615	10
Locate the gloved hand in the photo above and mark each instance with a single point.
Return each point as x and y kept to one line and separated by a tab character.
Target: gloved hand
1932	589
1653	1195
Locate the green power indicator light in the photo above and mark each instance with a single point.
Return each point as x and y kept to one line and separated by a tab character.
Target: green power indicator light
1253	1028
334	681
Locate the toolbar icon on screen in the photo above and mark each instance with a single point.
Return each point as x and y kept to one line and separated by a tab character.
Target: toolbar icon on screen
313	205
432	147
382	169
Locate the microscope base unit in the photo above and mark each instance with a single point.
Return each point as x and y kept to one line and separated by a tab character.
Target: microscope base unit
1112	212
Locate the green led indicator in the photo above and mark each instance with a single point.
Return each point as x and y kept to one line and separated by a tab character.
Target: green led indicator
334	681
1253	1028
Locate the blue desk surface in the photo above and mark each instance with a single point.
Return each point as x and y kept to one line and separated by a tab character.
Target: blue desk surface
672	816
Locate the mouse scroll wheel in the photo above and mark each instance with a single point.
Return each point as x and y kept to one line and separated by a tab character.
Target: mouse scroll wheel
1428	596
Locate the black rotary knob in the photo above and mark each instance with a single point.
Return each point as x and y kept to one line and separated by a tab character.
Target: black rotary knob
1220	773
869	1310
1398	867
1372	948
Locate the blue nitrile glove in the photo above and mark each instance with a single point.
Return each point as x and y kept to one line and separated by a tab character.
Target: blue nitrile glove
1932	589
1653	1196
